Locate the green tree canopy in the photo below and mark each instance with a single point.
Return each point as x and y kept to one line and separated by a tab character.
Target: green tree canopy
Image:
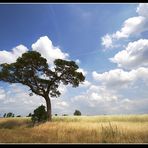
39	115
32	70
77	113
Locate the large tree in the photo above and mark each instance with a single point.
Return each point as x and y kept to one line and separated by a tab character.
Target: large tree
32	70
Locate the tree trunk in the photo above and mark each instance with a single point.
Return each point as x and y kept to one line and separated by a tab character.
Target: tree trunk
48	105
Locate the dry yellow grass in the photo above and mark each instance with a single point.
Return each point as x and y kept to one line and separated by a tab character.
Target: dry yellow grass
70	129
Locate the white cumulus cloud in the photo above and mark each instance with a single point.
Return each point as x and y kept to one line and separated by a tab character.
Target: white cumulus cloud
48	50
135	55
16	99
118	78
17	95
131	27
43	45
142	9
11	56
85	84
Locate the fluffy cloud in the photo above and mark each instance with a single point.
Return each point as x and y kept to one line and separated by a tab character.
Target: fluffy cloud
95	95
21	103
100	100
135	55
85	84
115	92
11	56
107	41
45	47
133	26
16	99
17	95
142	9
129	82
128	85
118	78
115	76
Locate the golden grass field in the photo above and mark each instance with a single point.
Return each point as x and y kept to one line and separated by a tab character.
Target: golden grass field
76	129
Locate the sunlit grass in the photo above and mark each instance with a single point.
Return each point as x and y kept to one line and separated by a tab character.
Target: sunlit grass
73	129
104	118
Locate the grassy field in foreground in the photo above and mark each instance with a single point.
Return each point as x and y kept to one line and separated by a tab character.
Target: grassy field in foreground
72	129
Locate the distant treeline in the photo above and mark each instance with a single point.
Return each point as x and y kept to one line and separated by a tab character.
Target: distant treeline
10	114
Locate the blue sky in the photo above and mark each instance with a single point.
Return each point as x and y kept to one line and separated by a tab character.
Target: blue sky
99	36
77	29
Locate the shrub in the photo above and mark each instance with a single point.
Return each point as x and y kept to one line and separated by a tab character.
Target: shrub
18	116
77	113
40	115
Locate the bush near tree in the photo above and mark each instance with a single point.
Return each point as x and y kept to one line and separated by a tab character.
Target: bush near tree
39	115
32	70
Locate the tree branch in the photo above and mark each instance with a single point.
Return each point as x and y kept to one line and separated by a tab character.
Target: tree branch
53	81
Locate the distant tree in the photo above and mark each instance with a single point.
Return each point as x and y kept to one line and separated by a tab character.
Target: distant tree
39	115
56	114
4	115
32	70
77	113
65	114
10	114
18	116
29	115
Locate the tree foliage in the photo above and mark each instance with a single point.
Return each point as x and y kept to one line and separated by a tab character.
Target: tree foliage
77	113
29	115
39	115
8	115
32	70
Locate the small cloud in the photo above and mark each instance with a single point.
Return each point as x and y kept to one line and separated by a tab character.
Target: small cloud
107	41
132	27
11	56
78	61
134	56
